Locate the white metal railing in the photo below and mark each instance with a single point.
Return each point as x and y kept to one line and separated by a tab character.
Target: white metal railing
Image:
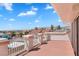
17	46
36	40
43	37
33	41
27	42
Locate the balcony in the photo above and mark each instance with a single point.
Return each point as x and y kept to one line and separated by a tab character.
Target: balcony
40	44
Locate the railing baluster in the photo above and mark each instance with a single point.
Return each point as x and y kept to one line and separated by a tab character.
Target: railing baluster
16	45
19	44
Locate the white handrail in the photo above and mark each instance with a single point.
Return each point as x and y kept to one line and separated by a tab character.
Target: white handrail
17	46
27	42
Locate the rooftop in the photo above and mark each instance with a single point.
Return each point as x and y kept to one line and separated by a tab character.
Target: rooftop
53	48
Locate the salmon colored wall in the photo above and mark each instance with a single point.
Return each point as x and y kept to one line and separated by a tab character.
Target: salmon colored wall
4	43
4	47
66	11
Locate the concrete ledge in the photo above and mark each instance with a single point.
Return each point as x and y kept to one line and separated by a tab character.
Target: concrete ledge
4	47
56	33
4	42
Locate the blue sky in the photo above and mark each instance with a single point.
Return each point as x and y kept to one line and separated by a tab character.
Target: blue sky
19	16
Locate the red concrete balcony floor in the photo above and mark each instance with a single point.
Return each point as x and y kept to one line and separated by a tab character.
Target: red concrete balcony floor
53	48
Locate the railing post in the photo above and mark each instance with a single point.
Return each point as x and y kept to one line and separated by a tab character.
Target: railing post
29	39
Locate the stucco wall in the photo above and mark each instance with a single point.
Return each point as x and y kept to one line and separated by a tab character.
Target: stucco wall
66	11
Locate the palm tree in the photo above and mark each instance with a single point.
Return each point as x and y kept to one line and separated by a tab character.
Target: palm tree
52	27
58	27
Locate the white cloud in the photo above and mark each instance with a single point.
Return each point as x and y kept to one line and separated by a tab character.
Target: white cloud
11	19
54	11
34	9
48	7
59	20
28	13
7	6
22	14
37	21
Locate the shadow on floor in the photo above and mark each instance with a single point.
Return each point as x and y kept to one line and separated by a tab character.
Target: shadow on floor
35	49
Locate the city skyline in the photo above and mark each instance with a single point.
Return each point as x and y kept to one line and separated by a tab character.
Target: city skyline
20	16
